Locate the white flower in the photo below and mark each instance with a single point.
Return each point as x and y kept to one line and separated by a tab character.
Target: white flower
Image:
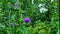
32	1
51	1
43	10
40	5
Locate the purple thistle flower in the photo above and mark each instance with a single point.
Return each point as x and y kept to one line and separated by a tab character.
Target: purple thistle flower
17	5
12	5
11	24
27	19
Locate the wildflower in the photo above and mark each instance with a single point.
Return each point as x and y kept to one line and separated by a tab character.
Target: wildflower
17	5
41	5
27	19
42	10
12	5
11	24
32	1
51	1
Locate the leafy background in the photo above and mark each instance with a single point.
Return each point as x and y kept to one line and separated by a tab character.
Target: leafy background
41	23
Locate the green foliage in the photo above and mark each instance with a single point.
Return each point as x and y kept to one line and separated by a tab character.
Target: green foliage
41	23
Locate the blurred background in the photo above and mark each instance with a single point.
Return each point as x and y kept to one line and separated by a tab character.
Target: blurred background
29	17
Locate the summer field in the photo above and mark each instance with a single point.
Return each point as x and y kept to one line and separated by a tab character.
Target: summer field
29	17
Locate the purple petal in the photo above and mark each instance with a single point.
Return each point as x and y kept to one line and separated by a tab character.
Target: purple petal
27	19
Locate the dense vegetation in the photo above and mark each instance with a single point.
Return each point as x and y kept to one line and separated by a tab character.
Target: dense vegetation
29	17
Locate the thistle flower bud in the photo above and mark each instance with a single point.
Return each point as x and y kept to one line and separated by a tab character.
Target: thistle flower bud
27	19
